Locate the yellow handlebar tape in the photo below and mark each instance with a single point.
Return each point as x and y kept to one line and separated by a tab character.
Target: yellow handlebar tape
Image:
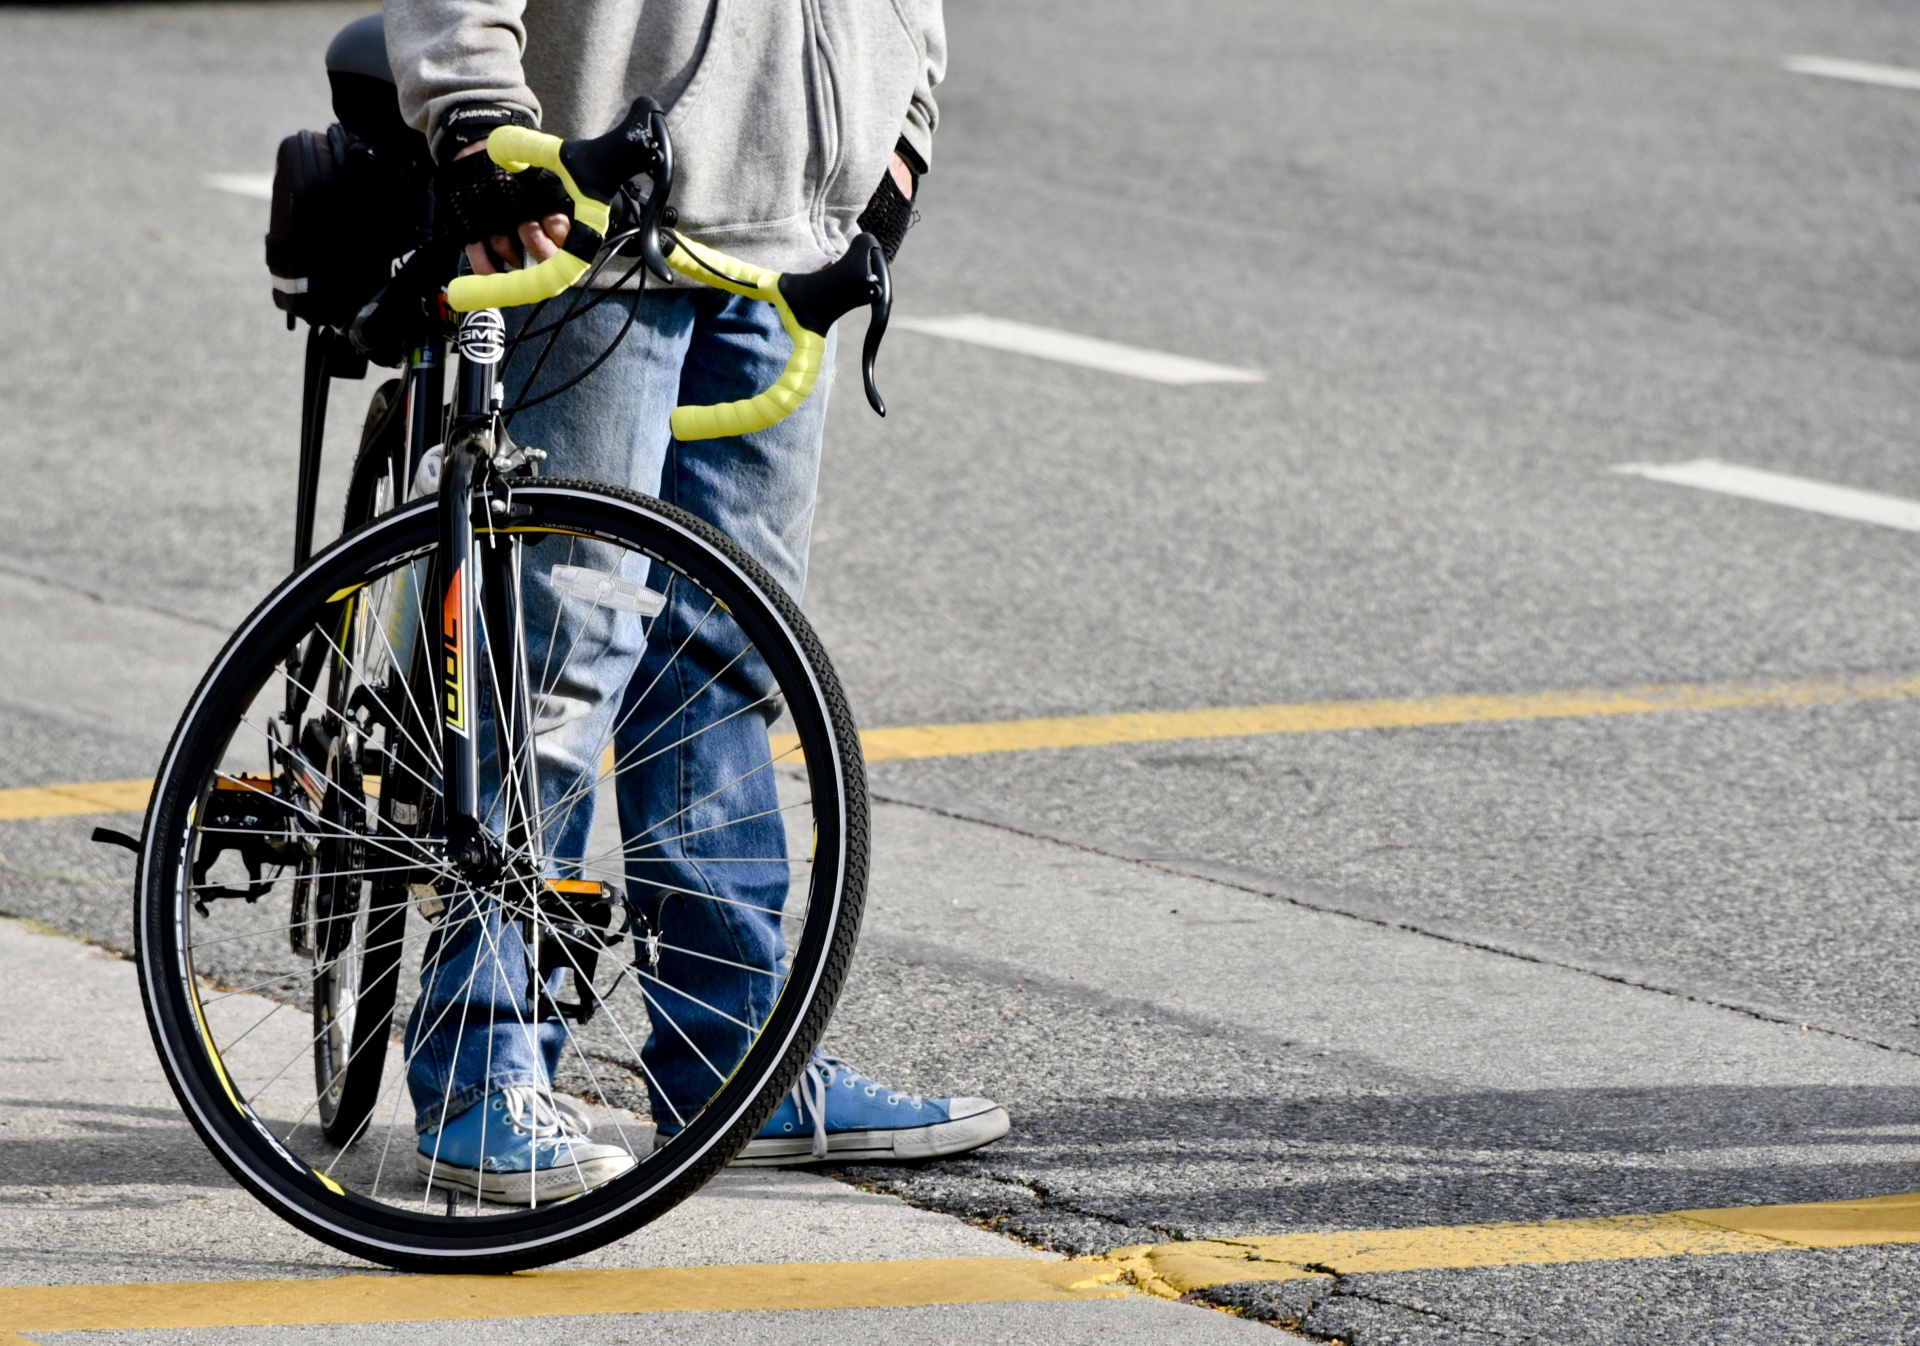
768	408
516	149
505	289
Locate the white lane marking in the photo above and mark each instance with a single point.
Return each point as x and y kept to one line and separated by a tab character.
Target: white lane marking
1777	488
257	185
1090	352
1860	72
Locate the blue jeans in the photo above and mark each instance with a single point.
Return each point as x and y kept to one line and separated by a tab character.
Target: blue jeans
678	696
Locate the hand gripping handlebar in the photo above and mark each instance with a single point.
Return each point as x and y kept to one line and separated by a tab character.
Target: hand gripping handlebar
593	171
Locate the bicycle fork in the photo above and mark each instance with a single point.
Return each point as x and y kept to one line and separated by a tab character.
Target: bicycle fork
479	579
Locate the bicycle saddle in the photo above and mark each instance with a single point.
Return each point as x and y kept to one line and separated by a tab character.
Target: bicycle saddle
364	96
361	49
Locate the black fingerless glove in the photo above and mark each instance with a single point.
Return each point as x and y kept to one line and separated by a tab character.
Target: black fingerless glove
889	215
475	198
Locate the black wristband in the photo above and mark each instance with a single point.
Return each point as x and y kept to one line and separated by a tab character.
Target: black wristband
915	164
888	215
471	122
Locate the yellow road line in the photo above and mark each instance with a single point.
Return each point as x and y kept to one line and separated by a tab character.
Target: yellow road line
1318	717
1174	1269
915	742
1169	1269
55	801
385	1299
1824	1224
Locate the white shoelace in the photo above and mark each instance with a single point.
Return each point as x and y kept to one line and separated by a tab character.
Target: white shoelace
809	1094
535	1112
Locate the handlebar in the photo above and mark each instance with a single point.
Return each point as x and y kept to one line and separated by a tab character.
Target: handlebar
593	172
809	303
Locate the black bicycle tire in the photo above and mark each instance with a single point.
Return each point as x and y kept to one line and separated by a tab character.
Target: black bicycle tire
739	1108
383	444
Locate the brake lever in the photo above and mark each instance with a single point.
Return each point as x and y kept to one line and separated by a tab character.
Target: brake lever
652	214
605	166
880	301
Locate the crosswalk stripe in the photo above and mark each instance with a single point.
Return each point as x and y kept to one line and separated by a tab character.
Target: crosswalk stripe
593	1293
55	801
1044	343
1315	717
1780	488
1856	72
1175	1269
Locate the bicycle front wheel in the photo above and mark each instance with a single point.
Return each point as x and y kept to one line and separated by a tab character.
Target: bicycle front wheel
679	812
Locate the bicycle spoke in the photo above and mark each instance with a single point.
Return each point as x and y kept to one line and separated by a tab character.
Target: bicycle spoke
774	973
638	702
307	971
428	752
714	1010
715	793
719	827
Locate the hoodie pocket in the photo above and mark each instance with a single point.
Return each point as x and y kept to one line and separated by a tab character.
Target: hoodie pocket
871	66
743	132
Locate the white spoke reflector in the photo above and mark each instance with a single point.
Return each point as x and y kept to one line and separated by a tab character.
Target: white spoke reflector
609	591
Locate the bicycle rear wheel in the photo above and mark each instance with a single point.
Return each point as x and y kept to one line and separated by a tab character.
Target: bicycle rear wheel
356	956
294	858
378	481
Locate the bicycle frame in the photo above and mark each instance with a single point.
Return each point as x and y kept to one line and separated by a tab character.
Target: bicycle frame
329	356
470	580
480	579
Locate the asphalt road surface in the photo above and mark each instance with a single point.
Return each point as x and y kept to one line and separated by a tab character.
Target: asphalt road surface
1483	252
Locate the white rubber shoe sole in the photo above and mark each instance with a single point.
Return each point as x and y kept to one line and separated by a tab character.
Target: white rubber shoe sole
602	1163
973	1122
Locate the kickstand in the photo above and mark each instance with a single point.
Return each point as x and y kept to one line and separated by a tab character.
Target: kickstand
108	837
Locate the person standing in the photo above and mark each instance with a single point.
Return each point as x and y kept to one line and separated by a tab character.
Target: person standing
795	127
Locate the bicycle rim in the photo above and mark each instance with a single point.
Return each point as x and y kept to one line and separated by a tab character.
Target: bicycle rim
296	904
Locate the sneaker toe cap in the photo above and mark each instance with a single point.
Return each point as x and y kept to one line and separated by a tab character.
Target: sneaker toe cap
598	1163
961	1109
954	1136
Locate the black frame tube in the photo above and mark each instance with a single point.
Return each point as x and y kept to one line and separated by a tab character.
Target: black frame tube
313	428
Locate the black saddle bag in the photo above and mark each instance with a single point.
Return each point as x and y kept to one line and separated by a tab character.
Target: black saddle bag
344	214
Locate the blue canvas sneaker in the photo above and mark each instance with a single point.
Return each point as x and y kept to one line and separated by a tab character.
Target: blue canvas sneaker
833	1112
517	1146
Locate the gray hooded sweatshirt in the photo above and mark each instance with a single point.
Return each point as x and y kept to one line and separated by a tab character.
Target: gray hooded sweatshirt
783	112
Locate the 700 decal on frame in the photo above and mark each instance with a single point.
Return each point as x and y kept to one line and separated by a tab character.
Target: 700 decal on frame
457	635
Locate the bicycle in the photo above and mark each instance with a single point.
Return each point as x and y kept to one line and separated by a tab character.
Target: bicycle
357	783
